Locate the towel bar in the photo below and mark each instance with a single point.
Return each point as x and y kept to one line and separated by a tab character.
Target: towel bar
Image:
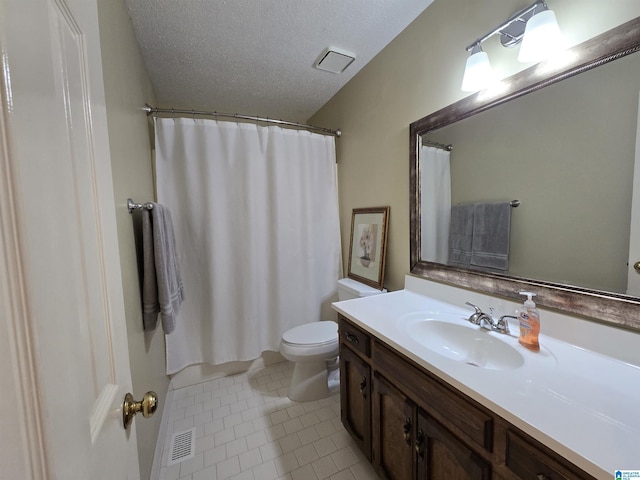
135	206
513	203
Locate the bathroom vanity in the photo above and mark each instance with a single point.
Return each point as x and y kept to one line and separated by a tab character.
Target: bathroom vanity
427	395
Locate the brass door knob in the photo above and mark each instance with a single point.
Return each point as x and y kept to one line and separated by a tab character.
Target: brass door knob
130	407
637	266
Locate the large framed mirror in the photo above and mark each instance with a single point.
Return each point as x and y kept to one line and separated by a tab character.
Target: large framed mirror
561	143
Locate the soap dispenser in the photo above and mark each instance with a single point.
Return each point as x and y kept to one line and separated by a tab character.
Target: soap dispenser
529	320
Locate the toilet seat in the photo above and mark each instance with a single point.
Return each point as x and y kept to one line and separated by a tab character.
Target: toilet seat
312	334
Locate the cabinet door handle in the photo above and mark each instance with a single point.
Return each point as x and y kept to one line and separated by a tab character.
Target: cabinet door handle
407	430
420	445
363	386
352	338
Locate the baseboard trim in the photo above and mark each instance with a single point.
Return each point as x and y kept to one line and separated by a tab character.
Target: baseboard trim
203	372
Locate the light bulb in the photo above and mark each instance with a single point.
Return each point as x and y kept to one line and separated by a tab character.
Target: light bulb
542	38
478	73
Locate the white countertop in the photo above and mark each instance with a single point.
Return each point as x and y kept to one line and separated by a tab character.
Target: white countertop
583	405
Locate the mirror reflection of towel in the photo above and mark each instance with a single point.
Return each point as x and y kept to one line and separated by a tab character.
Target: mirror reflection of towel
461	234
491	229
479	236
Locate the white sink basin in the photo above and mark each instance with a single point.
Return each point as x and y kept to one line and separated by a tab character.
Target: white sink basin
467	344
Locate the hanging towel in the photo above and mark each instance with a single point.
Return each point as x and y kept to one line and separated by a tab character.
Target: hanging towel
162	289
491	228
461	234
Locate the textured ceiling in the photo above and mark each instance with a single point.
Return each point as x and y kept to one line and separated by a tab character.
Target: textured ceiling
256	57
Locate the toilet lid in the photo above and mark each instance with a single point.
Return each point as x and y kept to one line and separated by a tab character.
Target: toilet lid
314	333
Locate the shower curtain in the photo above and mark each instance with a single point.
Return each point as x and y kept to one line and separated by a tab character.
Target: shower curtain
435	200
256	221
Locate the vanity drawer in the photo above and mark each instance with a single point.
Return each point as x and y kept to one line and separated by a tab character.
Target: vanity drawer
529	462
357	339
446	405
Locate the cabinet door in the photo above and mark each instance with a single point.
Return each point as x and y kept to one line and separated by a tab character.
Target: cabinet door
355	399
441	455
394	419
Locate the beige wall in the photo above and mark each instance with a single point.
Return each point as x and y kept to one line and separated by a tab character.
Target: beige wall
417	74
127	89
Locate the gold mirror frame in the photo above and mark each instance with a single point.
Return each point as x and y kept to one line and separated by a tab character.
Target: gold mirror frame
612	308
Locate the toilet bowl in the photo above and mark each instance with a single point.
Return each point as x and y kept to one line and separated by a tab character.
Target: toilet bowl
310	346
313	348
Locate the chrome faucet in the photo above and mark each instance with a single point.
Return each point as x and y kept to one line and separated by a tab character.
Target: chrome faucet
480	318
484	320
503	324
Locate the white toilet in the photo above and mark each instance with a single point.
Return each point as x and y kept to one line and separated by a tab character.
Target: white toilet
313	347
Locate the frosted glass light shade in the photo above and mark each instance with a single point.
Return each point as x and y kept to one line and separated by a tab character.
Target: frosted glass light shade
478	73
542	38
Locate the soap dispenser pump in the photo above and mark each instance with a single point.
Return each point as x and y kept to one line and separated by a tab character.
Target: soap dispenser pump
529	320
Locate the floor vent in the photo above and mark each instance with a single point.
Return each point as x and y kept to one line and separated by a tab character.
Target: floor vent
183	446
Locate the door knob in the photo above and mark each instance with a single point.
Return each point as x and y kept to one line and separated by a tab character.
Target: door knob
637	266
130	407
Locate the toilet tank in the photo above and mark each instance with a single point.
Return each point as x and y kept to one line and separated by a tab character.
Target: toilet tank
348	288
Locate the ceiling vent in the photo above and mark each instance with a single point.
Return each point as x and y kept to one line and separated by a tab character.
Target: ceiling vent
334	60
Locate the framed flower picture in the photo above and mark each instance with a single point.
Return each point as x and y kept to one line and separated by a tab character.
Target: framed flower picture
368	246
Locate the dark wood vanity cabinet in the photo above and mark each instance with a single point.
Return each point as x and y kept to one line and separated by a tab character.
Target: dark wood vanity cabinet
408	444
414	426
524	458
445	456
409	440
355	392
393	431
355	385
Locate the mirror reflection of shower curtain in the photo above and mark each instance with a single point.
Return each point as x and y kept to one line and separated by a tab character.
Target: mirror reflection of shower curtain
435	188
255	213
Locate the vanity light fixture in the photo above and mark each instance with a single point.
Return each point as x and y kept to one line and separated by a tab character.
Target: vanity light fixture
535	27
478	73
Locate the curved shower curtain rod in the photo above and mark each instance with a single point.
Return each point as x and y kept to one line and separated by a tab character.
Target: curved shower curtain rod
175	111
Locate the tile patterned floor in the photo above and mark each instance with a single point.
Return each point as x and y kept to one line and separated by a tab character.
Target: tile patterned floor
247	429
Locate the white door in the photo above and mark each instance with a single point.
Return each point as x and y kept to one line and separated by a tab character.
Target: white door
633	282
63	347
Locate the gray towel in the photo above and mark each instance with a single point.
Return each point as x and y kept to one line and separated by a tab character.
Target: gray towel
491	228
162	289
461	234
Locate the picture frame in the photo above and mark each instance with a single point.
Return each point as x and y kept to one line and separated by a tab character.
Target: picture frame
368	245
